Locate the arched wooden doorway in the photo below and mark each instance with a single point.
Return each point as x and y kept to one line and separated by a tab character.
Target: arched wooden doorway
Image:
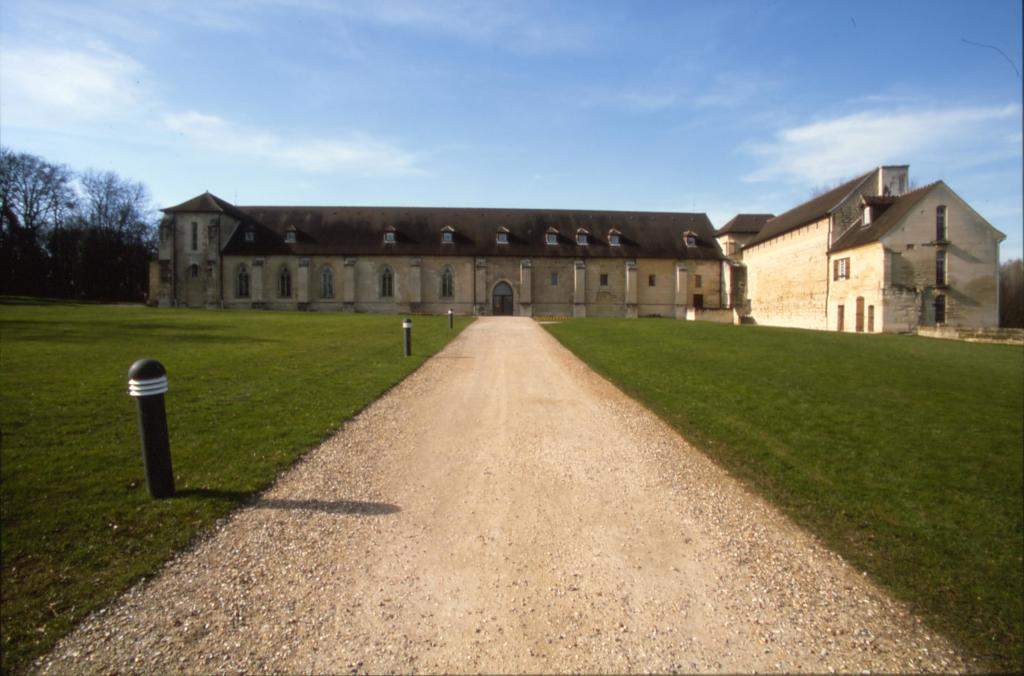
501	299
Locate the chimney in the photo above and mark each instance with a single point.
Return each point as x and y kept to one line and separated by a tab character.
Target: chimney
893	179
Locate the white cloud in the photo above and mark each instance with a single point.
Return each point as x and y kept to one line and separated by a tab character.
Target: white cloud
357	153
831	149
39	86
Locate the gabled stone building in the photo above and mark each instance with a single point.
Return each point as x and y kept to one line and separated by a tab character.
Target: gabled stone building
872	256
473	261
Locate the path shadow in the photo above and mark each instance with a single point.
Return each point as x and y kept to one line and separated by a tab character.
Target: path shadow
327	506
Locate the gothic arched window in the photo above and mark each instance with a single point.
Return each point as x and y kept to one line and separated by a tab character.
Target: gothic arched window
327	282
447	283
242	282
284	283
387	283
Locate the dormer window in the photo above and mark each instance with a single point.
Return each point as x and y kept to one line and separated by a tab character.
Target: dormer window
614	238
290	236
502	236
447	234
250	236
690	239
551	237
581	237
867	215
389	237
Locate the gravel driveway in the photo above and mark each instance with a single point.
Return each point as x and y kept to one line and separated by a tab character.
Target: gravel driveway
505	509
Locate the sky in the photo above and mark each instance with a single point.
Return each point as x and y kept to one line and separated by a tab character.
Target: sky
718	107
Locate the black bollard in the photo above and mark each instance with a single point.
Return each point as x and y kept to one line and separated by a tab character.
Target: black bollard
451	320
407	325
147	382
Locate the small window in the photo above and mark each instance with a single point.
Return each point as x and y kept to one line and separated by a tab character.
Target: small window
389	237
940	309
502	238
697	281
841	268
242	282
327	282
581	238
387	283
284	283
910	247
691	240
250	236
940	223
652	280
290	236
447	237
552	238
604	279
195	236
613	240
940	268
447	283
554	279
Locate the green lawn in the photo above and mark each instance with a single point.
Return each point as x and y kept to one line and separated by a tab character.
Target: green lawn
249	393
903	453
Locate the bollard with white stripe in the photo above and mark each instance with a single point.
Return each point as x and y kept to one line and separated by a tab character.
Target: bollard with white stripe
407	330
147	382
451	321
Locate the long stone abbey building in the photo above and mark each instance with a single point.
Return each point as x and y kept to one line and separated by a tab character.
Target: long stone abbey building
868	256
474	261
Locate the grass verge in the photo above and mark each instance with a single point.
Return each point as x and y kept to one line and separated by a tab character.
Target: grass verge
904	454
249	393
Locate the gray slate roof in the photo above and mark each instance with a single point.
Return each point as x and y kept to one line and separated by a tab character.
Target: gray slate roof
809	211
745	224
360	231
859	234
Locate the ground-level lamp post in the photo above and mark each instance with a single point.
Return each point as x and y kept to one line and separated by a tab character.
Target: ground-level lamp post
147	382
451	319
407	330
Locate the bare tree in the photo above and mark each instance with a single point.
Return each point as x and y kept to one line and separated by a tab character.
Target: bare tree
111	202
39	193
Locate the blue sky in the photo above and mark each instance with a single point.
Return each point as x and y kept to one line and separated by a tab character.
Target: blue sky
718	107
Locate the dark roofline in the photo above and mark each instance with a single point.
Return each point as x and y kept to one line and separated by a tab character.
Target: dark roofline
744	224
861	235
810	211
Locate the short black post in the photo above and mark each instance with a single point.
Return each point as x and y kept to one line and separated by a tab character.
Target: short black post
147	382
451	320
407	326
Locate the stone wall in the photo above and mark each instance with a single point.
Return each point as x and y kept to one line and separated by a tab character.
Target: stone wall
787	278
540	286
866	281
972	260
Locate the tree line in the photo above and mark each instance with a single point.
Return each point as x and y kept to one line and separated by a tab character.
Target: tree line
64	234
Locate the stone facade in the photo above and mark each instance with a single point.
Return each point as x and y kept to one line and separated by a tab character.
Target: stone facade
787	278
199	265
867	256
867	261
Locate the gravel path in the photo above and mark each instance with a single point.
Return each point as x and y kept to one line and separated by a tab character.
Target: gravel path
505	509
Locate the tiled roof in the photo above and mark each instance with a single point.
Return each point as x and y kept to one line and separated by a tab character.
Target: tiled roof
360	231
809	211
859	234
745	224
